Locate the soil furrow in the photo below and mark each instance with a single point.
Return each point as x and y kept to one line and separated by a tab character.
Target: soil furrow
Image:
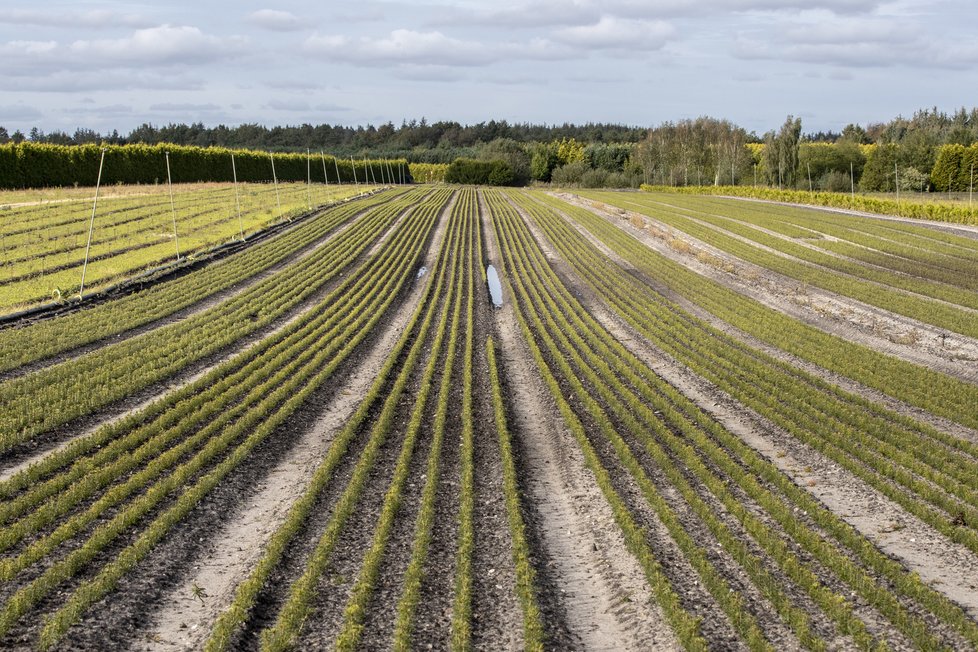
22	457
843	382
848	318
947	567
240	541
598	597
194	309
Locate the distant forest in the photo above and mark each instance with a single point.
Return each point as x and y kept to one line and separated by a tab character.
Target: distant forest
931	150
444	141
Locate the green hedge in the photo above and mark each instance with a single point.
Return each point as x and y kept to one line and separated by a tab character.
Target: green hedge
35	165
483	173
939	212
954	168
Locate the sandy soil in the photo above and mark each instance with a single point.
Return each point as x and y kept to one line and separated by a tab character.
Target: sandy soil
845	383
192	310
604	596
947	567
194	373
964	230
853	320
184	621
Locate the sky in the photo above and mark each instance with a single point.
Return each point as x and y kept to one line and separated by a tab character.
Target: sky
116	65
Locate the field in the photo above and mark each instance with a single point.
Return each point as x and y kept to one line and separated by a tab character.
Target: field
694	423
44	234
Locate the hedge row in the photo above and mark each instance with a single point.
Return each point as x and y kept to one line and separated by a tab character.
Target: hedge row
955	168
940	212
483	173
36	165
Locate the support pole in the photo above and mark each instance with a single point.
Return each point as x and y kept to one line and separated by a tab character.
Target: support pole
91	225
896	182
278	199
308	180
809	166
372	177
971	188
237	201
336	165
322	154
353	166
173	210
852	182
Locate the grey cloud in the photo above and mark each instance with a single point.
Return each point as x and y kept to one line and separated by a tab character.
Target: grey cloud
94	19
275	20
557	14
332	108
83	81
288	105
615	33
868	43
409	47
18	112
293	84
177	107
109	109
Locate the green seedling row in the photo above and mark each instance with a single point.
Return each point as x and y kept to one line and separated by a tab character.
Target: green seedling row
53	396
879	595
911	383
931	303
233	442
383	395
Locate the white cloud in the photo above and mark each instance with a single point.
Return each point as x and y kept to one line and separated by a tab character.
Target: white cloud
611	33
405	47
161	45
275	20
401	47
94	19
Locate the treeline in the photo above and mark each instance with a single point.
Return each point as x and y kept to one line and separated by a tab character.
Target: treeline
36	165
929	151
417	141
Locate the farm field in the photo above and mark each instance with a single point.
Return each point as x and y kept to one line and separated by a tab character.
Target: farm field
44	234
693	423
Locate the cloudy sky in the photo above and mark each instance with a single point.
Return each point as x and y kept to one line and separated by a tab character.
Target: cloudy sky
115	65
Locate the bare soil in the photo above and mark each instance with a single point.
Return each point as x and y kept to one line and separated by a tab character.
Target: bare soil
848	318
947	567
20	457
183	621
598	596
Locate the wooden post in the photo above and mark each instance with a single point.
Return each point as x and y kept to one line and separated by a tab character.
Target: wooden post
91	224
308	180
278	199
353	166
237	201
173	210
